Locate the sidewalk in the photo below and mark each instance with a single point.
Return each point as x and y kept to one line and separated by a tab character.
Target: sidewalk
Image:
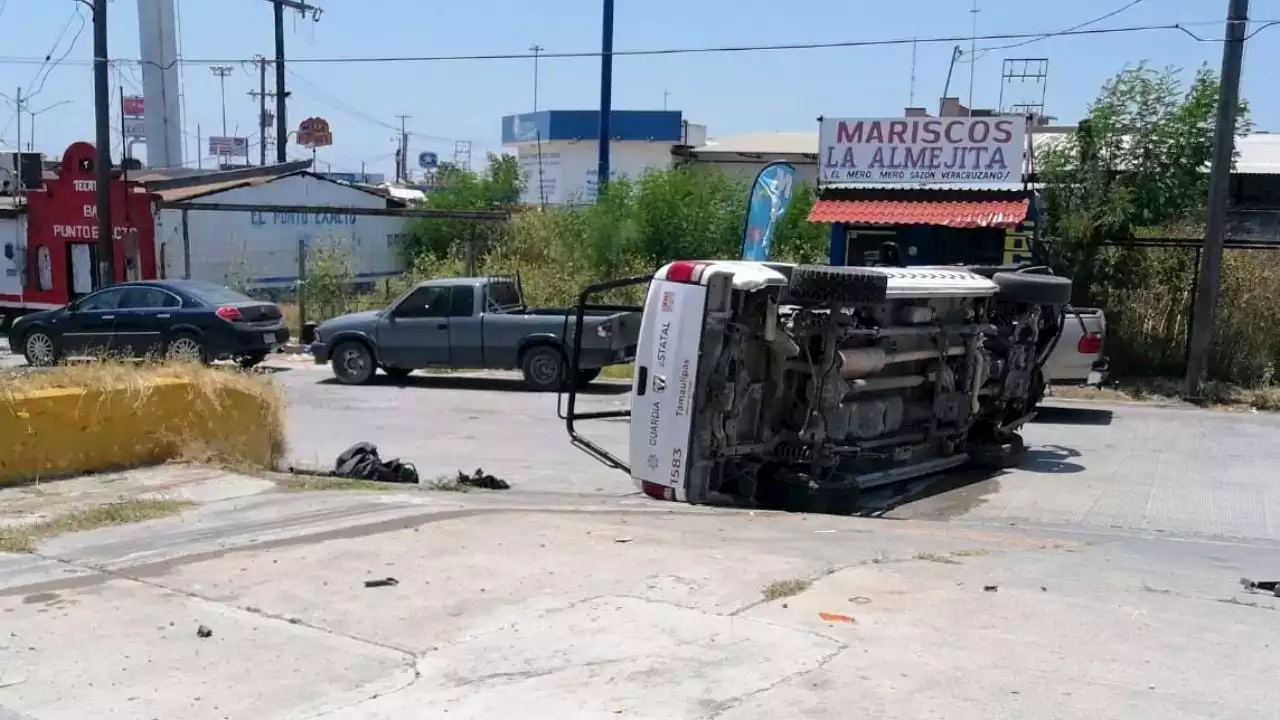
510	606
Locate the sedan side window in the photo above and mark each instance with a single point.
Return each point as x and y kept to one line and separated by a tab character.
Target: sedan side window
105	300
148	298
425	302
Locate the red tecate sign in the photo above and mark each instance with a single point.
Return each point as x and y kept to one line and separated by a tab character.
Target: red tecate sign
921	150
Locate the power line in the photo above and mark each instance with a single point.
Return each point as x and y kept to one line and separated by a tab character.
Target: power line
1080	26
48	68
1184	28
333	102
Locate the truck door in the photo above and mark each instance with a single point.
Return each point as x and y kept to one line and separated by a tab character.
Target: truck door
415	333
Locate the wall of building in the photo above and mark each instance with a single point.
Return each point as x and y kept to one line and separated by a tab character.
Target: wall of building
13	234
261	249
566	170
747	169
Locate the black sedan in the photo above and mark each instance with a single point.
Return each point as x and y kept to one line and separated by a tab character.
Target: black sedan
176	319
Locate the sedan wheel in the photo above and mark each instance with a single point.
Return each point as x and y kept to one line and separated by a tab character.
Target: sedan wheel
184	348
40	350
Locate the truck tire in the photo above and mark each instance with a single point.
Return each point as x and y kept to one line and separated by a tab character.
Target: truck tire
830	285
1032	288
544	368
352	363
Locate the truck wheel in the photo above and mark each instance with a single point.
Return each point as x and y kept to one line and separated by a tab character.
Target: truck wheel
352	363
1033	289
543	367
829	285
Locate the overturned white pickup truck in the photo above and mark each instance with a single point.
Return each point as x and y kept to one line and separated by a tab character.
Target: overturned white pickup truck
772	385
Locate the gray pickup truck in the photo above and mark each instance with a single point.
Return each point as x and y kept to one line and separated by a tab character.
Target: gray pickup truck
479	323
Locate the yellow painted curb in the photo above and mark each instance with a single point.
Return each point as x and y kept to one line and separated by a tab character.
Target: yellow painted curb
60	432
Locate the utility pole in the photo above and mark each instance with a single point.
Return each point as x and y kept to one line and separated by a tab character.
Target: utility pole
282	122
606	98
535	49
17	185
264	117
222	71
403	172
102	163
1219	181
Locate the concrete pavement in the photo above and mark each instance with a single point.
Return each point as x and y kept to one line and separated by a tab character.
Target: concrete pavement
1129	466
550	606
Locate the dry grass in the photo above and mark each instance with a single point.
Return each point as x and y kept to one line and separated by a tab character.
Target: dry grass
935	557
1220	395
780	589
318	483
618	372
26	537
202	438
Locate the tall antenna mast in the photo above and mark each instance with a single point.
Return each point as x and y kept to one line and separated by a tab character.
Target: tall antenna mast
973	54
911	95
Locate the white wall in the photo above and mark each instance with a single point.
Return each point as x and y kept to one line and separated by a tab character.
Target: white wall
568	169
260	249
746	170
13	231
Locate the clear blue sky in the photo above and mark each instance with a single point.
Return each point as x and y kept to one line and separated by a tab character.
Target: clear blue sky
730	93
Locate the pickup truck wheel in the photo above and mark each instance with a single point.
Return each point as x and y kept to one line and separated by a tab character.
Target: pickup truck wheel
1033	289
828	285
544	368
586	377
352	363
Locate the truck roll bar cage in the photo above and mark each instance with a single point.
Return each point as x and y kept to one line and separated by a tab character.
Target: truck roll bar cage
568	411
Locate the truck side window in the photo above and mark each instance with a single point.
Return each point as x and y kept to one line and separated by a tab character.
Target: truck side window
425	302
462	302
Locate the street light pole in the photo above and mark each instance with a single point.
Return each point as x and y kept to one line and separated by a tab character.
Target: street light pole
606	97
31	142
535	49
222	71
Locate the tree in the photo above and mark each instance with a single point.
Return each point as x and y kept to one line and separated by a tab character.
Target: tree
1136	166
499	187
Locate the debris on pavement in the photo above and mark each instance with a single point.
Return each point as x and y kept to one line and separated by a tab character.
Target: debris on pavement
622	540
361	462
483	480
203	631
837	617
381	582
990	588
1271	586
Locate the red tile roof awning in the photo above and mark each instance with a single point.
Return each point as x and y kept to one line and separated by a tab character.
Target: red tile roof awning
992	212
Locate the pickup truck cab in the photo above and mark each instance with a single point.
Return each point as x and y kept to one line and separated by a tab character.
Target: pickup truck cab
472	323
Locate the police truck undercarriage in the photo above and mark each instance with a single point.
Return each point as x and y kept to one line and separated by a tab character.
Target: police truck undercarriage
798	386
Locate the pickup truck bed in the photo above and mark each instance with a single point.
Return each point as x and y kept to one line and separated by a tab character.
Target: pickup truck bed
1078	359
